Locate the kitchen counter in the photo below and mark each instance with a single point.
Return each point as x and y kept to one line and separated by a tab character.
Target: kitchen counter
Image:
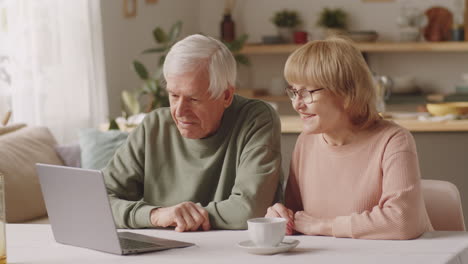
293	124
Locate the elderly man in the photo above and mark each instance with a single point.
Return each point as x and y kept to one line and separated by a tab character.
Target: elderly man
210	161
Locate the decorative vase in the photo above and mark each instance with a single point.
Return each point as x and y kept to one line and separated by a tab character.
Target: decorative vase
228	33
409	34
286	33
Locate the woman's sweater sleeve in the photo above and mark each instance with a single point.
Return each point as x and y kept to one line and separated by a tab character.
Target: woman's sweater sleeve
400	213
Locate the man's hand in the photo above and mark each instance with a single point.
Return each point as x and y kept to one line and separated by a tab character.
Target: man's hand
185	216
309	225
279	210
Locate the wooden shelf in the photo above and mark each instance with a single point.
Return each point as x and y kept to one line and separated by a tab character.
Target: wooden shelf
447	46
460	46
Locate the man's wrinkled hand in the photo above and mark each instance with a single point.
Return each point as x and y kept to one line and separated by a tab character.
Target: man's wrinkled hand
186	216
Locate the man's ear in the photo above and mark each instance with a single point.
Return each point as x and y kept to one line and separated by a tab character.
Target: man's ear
228	96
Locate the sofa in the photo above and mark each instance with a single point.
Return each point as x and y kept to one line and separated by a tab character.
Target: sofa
21	147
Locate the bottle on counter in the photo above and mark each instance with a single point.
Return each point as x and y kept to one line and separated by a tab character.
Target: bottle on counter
458	31
3	257
227	27
462	86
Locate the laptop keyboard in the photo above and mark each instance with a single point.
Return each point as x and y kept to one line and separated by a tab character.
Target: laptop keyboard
126	243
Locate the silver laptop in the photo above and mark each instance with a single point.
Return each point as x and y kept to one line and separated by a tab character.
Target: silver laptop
80	213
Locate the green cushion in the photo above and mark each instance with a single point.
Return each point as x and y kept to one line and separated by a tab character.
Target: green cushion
98	147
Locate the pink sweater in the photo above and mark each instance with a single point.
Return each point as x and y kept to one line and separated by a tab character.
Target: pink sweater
369	188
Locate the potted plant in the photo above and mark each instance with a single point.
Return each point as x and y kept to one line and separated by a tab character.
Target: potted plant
286	22
151	94
334	21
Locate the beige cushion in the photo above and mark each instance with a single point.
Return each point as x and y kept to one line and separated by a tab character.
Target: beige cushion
19	152
10	128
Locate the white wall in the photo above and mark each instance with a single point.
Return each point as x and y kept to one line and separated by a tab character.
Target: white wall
126	38
433	71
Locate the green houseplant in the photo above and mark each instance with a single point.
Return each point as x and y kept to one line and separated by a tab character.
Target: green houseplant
334	21
151	94
286	22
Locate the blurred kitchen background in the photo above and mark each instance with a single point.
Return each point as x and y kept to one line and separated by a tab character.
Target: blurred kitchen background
69	65
127	27
427	72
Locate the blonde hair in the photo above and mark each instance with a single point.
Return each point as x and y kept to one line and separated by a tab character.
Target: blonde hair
337	65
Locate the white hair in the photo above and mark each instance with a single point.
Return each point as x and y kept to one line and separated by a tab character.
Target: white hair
196	51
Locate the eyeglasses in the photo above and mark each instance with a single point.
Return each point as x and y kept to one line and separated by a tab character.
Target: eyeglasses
306	95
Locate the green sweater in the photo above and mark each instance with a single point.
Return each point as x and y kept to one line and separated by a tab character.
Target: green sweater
234	174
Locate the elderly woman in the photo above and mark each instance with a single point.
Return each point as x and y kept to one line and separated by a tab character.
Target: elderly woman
352	173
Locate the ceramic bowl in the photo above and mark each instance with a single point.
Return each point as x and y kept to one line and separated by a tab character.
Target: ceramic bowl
409	34
363	35
272	39
441	109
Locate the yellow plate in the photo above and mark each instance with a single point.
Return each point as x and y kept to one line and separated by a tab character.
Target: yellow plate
456	108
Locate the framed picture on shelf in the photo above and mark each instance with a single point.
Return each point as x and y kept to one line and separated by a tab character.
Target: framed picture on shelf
129	8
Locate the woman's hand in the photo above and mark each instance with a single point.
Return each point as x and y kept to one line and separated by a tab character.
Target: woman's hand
309	225
279	210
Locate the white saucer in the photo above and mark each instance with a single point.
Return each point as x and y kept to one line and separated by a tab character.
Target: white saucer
284	246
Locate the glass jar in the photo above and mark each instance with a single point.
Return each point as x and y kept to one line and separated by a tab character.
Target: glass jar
383	86
3	259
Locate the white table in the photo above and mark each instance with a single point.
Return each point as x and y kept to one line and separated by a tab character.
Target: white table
27	243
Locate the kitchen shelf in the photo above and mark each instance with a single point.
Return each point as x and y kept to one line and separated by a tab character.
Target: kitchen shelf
447	46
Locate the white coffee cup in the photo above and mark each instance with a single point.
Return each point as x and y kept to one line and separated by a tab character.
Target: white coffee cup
266	232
